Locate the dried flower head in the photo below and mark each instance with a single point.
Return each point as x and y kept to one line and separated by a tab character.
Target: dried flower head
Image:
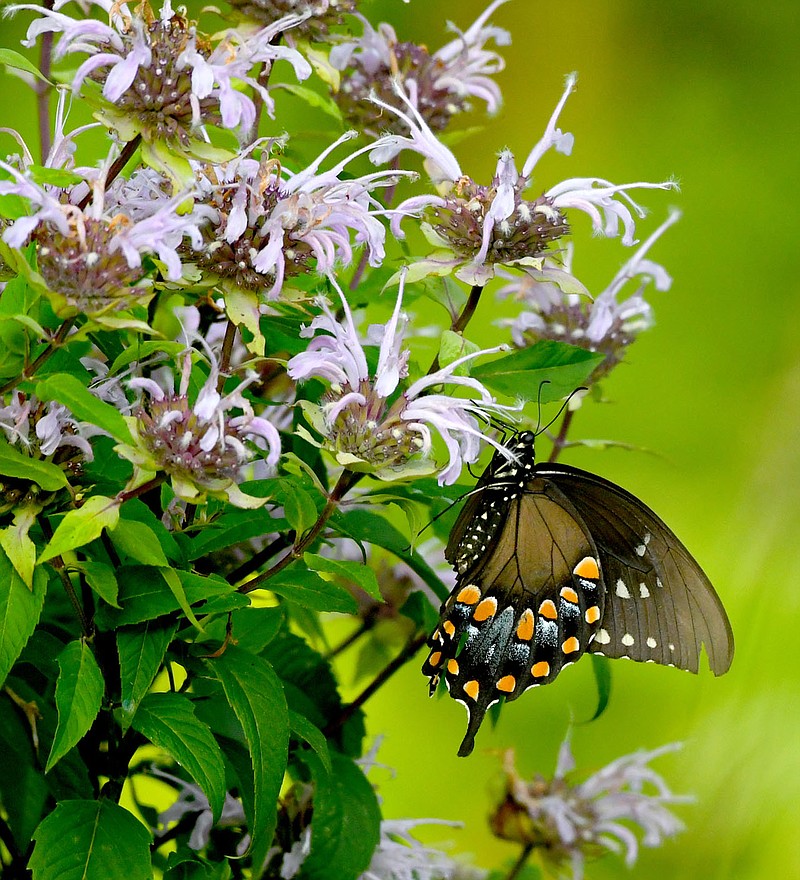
440	84
367	425
316	17
568	822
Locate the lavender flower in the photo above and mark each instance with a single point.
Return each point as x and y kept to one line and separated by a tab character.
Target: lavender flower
316	17
200	444
90	260
366	431
560	308
485	226
161	78
439	84
266	223
568	822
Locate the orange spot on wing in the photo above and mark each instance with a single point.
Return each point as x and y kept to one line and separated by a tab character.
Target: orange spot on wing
507	684
592	614
541	669
548	609
587	568
435	659
571	645
452	667
486	609
569	594
469	595
525	625
449	628
471	689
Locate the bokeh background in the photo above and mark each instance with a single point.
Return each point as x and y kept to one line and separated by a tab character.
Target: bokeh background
709	399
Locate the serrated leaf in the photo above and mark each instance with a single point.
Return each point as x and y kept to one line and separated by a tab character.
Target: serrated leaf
67	389
79	695
521	373
169	722
20	549
91	840
357	572
346	821
15	464
175	585
137	541
311	591
312	735
255	694
83	525
101	579
20	609
141	652
298	507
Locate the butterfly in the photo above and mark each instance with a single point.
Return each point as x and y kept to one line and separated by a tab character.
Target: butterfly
553	562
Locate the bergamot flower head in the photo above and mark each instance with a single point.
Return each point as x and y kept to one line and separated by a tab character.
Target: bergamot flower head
440	85
370	423
477	227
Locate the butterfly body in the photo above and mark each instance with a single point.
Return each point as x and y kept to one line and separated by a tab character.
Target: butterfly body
553	562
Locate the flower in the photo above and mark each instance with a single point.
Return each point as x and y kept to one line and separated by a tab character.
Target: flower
439	84
316	17
485	226
90	260
161	78
199	444
560	308
265	223
371	429
400	856
568	821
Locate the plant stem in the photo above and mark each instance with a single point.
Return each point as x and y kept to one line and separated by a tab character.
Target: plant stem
412	646
258	559
520	863
347	479
42	89
561	439
365	627
30	370
460	322
225	355
157	480
114	171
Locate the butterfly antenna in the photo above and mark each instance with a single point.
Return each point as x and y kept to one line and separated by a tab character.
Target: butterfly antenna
539	407
561	409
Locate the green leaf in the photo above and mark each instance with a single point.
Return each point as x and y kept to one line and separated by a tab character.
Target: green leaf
144	350
169	722
91	840
255	694
14	463
298	507
83	525
79	694
141	652
313	99
175	584
453	346
16	61
101	579
20	609
357	572
137	541
602	676
303	729
311	591
346	822
521	373
14	539
67	389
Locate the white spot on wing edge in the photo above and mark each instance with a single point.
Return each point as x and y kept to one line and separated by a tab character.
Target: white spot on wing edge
602	637
651	642
627	640
621	590
643	591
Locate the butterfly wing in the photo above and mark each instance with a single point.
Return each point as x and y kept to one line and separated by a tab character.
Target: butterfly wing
527	601
660	606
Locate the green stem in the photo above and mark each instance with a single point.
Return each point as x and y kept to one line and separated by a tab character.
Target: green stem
461	321
561	439
52	347
346	481
520	863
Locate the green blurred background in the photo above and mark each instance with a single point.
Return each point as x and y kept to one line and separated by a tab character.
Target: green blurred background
708	93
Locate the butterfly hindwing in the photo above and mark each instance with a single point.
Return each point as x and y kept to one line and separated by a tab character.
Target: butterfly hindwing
660	605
